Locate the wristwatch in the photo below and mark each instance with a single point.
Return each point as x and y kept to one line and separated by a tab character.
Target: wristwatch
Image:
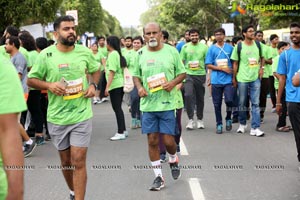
95	85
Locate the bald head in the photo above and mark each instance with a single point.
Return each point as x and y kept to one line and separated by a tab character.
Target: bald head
152	25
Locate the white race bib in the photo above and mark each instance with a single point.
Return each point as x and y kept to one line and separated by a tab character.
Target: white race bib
74	89
155	82
252	62
194	65
222	63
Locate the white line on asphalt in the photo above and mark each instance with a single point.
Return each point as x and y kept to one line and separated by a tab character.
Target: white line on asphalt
196	189
183	150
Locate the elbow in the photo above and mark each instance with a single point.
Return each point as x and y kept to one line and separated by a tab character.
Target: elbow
29	82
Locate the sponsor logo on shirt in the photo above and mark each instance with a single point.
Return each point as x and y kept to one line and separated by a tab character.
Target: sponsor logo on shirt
63	66
150	62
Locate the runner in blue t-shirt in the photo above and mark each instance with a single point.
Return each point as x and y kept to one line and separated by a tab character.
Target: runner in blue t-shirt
218	61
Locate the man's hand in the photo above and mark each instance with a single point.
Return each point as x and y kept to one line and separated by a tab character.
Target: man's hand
261	73
90	92
106	92
142	92
227	70
168	86
57	88
234	82
279	109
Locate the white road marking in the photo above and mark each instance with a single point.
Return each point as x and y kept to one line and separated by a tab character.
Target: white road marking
183	149
196	189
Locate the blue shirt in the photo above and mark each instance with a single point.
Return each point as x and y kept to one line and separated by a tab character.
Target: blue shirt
180	45
288	65
214	53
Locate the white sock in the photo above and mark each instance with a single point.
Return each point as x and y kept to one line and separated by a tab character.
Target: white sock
72	192
172	158
29	142
157	168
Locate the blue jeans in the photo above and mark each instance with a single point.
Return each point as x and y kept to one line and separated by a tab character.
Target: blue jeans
217	95
254	91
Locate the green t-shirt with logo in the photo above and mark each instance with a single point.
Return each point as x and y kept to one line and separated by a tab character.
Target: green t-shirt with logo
32	58
193	57
52	65
249	64
154	69
103	50
266	54
274	69
113	64
11	101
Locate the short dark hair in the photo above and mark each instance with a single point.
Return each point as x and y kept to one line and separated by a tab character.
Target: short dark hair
235	39
66	18
50	42
193	30
101	37
273	36
129	38
165	34
139	38
14	40
282	44
219	30
27	40
257	32
41	43
12	30
245	29
294	24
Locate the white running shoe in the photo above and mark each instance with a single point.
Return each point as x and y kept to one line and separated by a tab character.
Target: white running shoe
242	128
200	124
256	132
190	125
118	136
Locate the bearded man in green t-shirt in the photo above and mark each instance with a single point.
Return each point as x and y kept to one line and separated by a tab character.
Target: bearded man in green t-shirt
157	70
61	69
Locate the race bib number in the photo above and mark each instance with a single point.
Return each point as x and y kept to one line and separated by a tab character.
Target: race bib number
74	89
194	65
222	63
252	62
155	82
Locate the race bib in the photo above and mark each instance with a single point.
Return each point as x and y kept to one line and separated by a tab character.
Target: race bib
155	82
252	62
74	89
194	65
222	63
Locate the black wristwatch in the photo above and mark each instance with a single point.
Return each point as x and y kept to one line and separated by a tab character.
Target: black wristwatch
95	85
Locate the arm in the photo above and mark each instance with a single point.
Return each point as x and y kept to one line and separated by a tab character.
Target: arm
282	81
109	81
296	79
56	87
171	84
235	70
226	70
141	90
12	154
261	69
90	92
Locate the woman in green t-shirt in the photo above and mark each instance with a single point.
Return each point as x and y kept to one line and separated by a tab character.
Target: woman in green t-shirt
115	82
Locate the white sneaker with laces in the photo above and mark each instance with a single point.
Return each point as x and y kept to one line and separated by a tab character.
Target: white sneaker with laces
126	133
95	100
118	136
256	132
190	125
242	128
104	99
200	124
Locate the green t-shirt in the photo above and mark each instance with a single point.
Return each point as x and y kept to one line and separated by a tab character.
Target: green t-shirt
249	64
179	99
113	64
53	65
26	55
193	57
273	54
130	57
103	50
274	69
153	69
99	56
11	101
3	52
266	54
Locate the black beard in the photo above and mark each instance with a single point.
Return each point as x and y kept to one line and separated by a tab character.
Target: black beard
67	42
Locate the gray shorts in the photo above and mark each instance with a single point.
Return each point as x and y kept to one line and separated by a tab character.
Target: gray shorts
77	135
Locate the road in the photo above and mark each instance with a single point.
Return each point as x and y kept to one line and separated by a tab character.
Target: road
229	166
